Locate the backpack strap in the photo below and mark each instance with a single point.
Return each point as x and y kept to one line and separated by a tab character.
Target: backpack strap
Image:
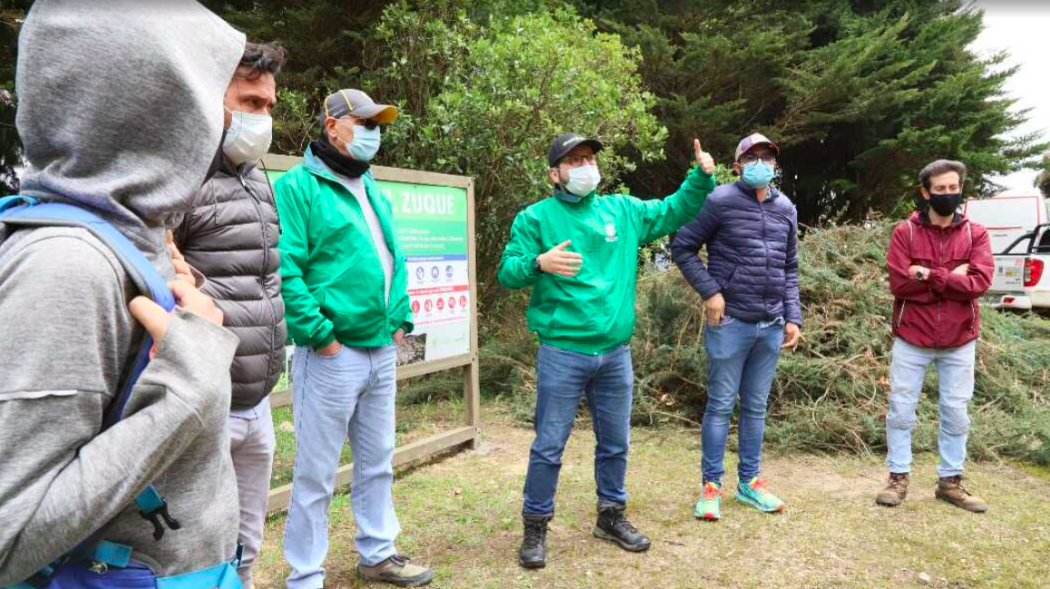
24	211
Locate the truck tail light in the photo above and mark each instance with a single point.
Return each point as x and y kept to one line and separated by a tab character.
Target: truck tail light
1033	272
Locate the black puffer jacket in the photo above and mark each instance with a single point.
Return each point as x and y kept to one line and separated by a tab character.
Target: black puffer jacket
231	237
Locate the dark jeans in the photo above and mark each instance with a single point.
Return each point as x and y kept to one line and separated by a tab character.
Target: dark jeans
564	377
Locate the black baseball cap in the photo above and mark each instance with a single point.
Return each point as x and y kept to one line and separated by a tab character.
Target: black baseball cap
565	143
356	103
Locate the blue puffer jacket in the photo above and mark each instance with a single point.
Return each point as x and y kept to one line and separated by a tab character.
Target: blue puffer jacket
752	252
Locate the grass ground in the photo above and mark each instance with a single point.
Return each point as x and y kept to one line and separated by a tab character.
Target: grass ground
460	515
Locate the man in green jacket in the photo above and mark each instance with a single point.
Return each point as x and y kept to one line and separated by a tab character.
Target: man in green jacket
346	304
579	252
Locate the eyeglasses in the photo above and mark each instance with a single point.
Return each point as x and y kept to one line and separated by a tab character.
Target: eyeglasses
576	161
748	158
369	124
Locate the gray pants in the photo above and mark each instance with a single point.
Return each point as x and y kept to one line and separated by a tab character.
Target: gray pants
252	446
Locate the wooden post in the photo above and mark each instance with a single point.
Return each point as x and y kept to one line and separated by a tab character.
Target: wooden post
471	374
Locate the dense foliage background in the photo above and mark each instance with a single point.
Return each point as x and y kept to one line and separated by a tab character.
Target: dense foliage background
860	94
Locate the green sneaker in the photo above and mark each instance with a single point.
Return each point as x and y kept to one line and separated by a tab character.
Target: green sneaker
709	507
756	495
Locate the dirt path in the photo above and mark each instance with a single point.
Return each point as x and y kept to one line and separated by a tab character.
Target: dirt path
461	516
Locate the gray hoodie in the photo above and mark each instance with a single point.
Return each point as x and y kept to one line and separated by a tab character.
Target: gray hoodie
120	110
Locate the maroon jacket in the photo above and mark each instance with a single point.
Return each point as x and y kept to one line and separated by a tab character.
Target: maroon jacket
942	311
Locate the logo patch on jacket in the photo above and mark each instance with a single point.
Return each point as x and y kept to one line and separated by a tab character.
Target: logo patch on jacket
610	232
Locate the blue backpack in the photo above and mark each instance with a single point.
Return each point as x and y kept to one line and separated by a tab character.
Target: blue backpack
24	211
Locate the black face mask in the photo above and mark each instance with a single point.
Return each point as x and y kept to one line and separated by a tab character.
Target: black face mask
216	162
945	204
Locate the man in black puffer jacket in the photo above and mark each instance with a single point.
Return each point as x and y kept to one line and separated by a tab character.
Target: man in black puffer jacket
750	291
231	237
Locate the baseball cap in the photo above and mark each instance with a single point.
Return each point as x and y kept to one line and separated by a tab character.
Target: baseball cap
355	103
565	143
749	142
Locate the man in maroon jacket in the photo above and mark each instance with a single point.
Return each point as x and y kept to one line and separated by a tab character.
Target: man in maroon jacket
940	263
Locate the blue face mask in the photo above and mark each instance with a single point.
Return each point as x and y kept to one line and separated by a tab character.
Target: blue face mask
365	144
758	174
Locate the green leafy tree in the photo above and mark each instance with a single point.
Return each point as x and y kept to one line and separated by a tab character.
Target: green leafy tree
336	44
501	93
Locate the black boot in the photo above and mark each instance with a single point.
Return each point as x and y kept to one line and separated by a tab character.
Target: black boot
614	527
533	552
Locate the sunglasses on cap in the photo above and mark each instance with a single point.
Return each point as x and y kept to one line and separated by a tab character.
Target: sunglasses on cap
369	124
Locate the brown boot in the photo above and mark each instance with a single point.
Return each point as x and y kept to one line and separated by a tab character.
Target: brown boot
896	490
950	489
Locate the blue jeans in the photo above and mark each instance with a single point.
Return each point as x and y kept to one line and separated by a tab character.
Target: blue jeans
955	376
346	396
563	378
741	361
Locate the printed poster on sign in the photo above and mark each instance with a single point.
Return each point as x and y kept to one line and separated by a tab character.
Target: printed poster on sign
431	224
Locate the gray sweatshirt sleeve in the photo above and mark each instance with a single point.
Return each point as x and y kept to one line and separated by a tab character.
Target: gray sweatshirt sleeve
66	325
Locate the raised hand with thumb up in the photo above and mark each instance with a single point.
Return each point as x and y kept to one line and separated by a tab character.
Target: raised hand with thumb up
561	262
703	159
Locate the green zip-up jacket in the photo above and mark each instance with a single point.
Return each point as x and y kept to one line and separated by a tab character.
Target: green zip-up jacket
592	312
333	283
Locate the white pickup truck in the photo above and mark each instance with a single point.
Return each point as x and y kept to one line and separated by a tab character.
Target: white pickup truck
1018	224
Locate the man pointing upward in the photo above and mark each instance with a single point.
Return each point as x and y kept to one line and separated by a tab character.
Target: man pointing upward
579	250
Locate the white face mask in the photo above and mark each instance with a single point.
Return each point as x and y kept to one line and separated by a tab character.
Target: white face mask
583	180
248	138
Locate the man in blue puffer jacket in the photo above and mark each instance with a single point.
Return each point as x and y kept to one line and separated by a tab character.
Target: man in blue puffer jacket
750	292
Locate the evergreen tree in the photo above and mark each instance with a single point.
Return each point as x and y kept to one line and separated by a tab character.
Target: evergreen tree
860	95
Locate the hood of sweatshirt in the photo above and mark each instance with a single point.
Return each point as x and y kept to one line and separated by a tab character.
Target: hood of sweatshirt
120	108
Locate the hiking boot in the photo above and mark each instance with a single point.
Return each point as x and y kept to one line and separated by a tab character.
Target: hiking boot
614	527
533	551
709	507
950	489
896	490
758	496
396	570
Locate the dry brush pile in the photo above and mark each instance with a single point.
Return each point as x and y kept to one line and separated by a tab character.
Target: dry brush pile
830	395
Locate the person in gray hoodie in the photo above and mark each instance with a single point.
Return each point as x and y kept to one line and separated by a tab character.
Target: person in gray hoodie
120	111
